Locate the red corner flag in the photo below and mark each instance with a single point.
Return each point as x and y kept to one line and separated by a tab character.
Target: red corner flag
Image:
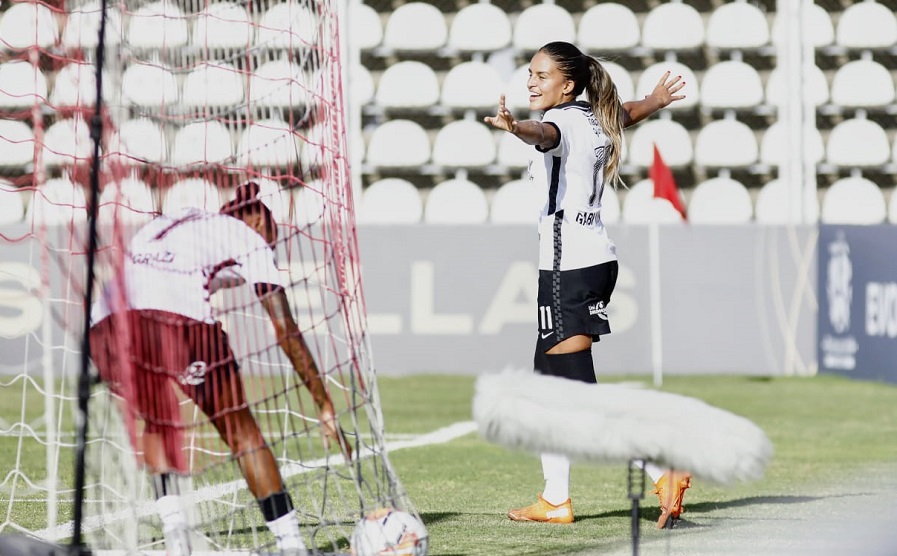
664	184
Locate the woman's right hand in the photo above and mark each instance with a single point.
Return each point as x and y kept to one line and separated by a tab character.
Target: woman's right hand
503	119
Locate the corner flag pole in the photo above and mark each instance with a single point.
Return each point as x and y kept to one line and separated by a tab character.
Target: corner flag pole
656	328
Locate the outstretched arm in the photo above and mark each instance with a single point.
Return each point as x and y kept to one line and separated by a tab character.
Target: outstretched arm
662	96
531	132
274	299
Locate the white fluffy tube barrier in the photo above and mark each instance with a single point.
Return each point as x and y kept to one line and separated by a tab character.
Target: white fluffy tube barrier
615	423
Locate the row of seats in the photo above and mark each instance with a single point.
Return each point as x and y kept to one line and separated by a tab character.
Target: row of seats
609	26
722	200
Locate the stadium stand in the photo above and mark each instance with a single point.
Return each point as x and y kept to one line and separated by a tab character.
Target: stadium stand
726	143
773	205
513	203
67	142
129	200
622	80
720	200
817	26
866	24
863	83
731	84
12	205
608	26
136	141
774	145
457	91
464	144
408	84
365	26
149	85
55	202
267	143
672	140
738	26
27	24
816	88
288	25
892	208
673	26
16	145
222	25
275	84
641	207
158	25
853	200
82	24
215	85
398	143
480	27
542	23
456	201
191	192
649	78
201	142
415	26
512	152
390	201
21	84
857	142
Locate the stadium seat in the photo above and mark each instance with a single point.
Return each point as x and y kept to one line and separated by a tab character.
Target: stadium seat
222	25
480	27
268	143
866	25
27	24
892	208
731	84
83	23
16	144
652	74
464	144
673	26
726	144
671	138
21	85
737	25
512	152
857	143
308	204
129	200
514	203
150	85
458	93
75	86
12	204
815	84
640	206
390	201
622	80
817	27
862	84
58	201
288	25
456	201
398	144
312	149
158	25
67	142
415	26
279	84
608	26
365	27
360	85
191	192
542	23
207	142
774	144
138	141
720	201
217	84
610	206
516	92
853	200
408	84
774	205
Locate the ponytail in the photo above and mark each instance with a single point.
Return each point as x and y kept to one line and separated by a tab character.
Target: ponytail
608	109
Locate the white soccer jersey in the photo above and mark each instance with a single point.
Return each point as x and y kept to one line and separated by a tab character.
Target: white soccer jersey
569	182
171	262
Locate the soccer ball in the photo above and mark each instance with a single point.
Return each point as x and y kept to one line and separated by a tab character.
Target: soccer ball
389	532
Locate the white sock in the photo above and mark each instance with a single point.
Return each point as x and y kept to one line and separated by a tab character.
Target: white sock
286	529
651	469
556	470
174	525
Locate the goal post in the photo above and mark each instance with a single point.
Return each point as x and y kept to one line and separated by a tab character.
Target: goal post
198	98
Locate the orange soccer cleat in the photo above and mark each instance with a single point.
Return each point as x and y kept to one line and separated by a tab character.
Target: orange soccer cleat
670	488
544	511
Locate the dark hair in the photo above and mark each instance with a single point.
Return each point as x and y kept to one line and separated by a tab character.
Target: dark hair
587	74
246	203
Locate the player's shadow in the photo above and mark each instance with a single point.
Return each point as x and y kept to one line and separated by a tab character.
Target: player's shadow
429	518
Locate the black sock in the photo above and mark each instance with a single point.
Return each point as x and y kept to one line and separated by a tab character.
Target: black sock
575	366
275	506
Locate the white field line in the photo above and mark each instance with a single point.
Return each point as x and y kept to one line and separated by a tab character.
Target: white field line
439	436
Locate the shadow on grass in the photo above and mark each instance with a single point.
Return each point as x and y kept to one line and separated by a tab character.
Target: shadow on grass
430	518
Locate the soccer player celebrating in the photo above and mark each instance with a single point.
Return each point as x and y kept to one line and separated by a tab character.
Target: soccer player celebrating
579	146
172	266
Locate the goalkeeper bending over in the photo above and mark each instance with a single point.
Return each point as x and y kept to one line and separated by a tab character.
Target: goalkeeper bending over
171	268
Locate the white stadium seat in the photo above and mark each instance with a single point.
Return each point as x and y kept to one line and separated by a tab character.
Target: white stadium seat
408	84
75	86
774	205
541	23
214	85
16	144
866	25
720	201
731	84
480	27
608	26
622	80
27	24
67	142
289	25
390	201
360	85
280	84
516	93
159	25
640	206
365	27
309	204
415	26
458	93
610	206
222	25
726	144
129	200
150	85
857	143
853	200
465	144
83	23
512	152
59	201
12	204
863	84
671	138
268	143
892	208
514	203
456	201
191	192
652	74
817	26
398	143
138	141
815	85
774	144
737	25
21	85
673	26
207	142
